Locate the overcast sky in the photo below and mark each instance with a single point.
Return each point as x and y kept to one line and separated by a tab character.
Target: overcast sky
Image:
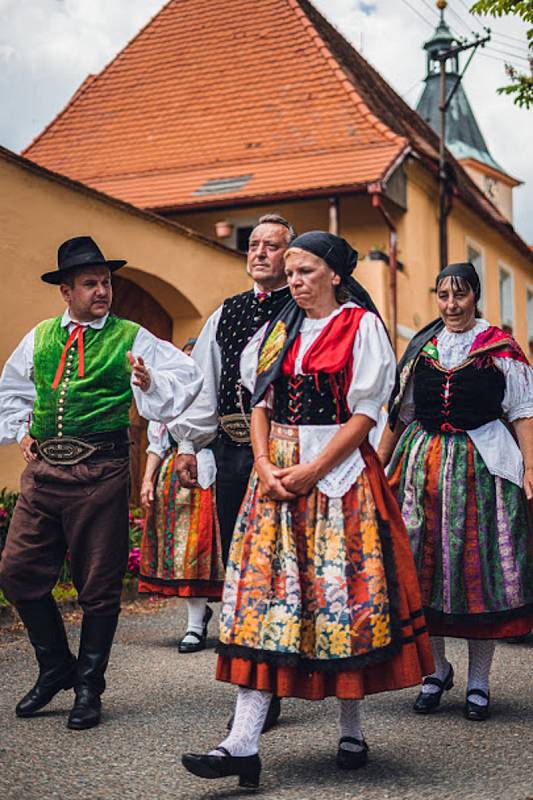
47	47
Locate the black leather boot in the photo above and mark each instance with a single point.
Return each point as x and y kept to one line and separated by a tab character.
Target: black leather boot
57	665
95	645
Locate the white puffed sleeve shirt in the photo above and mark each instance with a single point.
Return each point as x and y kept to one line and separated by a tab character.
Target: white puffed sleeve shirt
175	381
373	376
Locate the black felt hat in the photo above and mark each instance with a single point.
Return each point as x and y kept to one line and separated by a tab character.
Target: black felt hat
81	251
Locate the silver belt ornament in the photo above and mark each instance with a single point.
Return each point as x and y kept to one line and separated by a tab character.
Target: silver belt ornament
68	450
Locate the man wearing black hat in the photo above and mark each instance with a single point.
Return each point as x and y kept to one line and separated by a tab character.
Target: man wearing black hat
65	395
223	407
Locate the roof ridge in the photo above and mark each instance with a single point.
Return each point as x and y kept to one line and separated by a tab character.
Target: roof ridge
86	83
339	73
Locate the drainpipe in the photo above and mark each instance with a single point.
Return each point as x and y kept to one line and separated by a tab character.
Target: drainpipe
334	215
376	192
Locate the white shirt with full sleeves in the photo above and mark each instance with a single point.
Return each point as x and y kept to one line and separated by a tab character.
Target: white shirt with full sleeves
373	376
175	381
159	441
493	441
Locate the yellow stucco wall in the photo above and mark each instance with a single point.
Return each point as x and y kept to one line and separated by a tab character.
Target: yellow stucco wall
188	276
418	248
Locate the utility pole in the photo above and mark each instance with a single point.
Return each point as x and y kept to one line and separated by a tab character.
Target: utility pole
442	57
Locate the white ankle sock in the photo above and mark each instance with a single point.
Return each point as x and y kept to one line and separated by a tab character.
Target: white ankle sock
350	723
480	654
442	665
195	622
250	713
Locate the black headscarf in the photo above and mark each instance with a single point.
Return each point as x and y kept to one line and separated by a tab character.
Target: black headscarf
464	270
342	259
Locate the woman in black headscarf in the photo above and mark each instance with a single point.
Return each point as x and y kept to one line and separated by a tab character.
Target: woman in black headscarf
463	482
321	595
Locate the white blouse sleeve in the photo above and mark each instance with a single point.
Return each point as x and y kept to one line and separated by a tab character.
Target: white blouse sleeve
197	426
374	368
518	398
158	439
175	379
17	392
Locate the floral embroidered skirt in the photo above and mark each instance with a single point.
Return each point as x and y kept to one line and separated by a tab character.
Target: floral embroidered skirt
471	535
321	595
180	547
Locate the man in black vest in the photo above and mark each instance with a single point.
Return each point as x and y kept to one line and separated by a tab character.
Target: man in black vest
223	407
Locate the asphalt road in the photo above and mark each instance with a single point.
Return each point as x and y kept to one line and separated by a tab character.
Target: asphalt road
160	703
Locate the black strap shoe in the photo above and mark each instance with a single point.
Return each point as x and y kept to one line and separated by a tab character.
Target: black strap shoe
192	647
208	613
57	665
474	711
352	759
427	702
271	719
248	768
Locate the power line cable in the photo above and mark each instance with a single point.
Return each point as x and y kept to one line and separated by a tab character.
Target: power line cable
499	34
507	53
418	14
503	61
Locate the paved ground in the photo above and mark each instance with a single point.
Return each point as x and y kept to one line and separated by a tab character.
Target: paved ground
160	703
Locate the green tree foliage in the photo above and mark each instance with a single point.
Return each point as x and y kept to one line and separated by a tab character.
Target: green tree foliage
521	86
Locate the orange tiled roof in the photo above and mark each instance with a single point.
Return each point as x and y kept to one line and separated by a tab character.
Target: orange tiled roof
239	101
219	89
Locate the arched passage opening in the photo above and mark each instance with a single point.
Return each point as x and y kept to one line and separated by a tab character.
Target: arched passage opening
131	301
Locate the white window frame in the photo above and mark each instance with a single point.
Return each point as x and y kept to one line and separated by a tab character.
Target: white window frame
505	268
469	242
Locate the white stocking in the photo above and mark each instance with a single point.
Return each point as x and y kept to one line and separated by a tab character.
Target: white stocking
350	723
250	713
195	622
442	665
480	654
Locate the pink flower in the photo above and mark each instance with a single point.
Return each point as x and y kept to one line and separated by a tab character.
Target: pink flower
134	561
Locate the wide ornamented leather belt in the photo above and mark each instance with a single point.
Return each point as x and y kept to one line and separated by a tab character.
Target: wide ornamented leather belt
236	427
69	450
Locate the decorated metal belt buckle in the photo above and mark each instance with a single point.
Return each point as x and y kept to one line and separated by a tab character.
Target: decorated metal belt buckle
66	450
236	427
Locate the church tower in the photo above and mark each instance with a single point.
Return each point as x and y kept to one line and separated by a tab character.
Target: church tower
463	135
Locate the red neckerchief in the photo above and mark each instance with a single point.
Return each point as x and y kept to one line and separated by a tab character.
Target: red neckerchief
76	333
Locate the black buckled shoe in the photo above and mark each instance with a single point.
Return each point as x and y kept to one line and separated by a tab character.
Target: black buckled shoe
195	647
271	719
474	711
247	768
427	702
352	759
191	647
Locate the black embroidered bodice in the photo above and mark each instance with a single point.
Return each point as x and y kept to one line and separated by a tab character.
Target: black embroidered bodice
317	399
459	399
241	317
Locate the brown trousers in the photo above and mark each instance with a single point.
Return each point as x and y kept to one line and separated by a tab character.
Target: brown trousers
82	508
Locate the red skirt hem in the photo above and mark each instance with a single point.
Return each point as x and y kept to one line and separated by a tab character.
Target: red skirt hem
495	630
209	589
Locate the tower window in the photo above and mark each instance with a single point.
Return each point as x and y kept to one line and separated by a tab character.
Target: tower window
506	299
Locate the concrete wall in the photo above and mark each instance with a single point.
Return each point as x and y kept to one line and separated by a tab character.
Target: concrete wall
188	276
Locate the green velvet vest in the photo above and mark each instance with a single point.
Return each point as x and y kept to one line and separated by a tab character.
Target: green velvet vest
98	401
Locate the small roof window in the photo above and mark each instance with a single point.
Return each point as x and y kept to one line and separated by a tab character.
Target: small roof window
223	185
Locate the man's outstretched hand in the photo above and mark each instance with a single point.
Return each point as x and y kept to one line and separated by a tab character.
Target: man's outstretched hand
141	376
187	470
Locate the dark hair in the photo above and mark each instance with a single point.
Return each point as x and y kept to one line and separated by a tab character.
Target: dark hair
459	283
277	219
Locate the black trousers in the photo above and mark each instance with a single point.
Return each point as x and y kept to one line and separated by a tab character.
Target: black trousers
234	464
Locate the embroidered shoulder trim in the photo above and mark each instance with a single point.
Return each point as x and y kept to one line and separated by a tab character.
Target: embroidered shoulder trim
272	347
